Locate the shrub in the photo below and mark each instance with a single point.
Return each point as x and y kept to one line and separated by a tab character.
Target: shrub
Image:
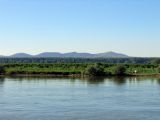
158	69
119	70
95	70
2	70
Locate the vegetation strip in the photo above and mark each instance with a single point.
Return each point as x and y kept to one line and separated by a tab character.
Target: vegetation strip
76	69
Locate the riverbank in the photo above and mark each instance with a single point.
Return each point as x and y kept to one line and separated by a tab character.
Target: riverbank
80	69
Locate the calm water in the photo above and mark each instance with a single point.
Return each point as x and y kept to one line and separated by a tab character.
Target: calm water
80	99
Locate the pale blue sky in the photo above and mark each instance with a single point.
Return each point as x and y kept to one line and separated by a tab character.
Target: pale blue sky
126	26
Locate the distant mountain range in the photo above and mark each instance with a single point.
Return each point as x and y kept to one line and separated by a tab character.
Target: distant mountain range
71	54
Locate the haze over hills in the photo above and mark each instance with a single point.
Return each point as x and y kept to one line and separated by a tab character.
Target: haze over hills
70	54
20	55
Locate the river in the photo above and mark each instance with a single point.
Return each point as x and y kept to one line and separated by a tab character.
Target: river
47	98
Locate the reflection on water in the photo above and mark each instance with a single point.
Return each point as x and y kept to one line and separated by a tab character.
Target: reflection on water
1	80
91	98
94	80
118	80
158	81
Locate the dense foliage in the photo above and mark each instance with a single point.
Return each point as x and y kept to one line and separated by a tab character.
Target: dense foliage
87	66
158	69
119	70
2	70
78	68
82	60
95	70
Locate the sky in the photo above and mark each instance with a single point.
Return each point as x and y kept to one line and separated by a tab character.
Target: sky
131	27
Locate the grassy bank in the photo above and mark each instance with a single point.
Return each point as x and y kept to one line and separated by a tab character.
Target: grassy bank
80	69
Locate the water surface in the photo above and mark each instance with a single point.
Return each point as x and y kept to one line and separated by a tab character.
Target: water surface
80	98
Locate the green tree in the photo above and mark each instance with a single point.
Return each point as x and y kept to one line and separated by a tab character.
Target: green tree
2	70
119	70
158	69
95	70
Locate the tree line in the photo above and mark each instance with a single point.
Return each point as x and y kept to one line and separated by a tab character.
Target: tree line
82	60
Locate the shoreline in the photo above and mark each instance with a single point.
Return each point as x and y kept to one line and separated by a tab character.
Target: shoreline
79	70
77	75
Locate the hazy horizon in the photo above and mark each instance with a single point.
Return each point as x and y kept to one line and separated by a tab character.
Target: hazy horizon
114	52
62	52
36	53
130	27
